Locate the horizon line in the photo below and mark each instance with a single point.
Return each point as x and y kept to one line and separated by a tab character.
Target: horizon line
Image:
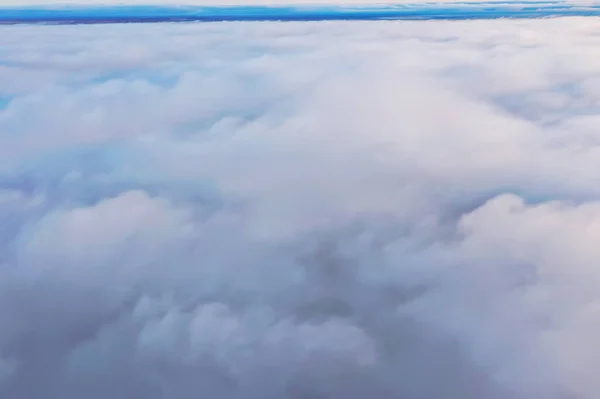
460	10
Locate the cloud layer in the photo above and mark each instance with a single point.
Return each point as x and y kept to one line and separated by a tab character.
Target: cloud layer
317	210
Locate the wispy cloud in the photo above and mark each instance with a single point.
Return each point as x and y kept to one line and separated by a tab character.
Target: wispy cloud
302	210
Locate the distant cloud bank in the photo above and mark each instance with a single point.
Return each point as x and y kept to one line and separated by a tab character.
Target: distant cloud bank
340	210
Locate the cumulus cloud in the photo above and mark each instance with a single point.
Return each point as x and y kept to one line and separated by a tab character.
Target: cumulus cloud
300	210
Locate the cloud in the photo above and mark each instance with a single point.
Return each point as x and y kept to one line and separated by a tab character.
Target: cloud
300	210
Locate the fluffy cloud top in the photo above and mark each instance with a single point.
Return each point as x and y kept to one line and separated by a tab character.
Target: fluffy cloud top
317	210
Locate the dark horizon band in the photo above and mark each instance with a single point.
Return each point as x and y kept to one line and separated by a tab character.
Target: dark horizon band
423	11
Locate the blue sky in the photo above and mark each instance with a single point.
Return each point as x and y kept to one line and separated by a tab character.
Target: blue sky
250	11
255	2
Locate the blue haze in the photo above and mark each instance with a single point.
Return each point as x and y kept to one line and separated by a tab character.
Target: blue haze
427	11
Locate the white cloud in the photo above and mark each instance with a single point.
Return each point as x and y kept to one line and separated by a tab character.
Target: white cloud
300	210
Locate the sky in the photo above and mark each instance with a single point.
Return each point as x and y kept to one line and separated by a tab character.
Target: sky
105	11
253	2
300	210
